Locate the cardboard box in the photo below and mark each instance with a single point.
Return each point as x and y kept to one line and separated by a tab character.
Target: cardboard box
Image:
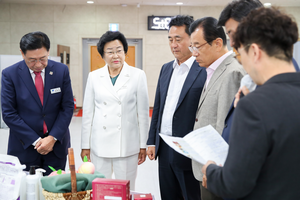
110	189
142	197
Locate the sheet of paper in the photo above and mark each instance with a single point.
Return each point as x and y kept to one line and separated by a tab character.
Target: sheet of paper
182	147
201	145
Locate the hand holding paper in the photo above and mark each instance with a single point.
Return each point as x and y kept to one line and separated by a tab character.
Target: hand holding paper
200	145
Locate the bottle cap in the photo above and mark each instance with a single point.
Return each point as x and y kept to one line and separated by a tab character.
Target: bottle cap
32	170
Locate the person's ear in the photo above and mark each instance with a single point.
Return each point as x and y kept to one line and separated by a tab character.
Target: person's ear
255	52
219	44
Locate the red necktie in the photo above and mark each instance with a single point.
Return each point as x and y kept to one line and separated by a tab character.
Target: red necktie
39	85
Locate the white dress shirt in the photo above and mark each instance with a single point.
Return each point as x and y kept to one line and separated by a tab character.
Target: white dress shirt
179	75
33	75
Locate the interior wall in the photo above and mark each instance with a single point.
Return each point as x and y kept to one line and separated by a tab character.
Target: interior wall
67	25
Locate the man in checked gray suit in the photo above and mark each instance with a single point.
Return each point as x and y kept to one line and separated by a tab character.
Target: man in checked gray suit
224	74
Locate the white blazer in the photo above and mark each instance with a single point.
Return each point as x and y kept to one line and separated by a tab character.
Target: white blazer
115	119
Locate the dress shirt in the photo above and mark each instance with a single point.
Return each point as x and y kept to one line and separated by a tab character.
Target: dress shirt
179	75
33	78
33	75
212	68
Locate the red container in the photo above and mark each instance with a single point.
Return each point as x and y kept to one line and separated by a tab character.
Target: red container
142	197
91	195
114	188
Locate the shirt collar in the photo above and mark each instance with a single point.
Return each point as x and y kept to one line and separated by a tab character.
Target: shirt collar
31	71
217	62
189	62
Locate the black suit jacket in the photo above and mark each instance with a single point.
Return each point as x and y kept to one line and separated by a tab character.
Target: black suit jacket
263	159
185	112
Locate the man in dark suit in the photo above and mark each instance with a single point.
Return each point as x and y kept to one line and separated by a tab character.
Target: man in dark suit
37	105
261	162
230	17
177	96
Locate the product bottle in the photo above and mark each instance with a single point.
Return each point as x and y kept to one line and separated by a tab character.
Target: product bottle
22	193
32	185
39	172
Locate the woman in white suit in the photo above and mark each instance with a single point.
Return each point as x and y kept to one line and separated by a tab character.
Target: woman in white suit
115	117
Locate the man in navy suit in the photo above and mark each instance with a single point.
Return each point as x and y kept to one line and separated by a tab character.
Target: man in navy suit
177	96
37	105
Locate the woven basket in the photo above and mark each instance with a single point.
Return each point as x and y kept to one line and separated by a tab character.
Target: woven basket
74	195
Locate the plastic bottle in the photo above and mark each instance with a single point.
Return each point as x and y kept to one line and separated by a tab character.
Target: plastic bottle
22	193
32	185
39	172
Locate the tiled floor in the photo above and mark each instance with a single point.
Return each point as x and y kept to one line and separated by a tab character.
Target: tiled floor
147	178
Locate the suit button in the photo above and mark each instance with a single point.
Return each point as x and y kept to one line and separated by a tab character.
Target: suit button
104	115
44	115
41	130
104	127
104	103
225	126
119	115
196	120
119	102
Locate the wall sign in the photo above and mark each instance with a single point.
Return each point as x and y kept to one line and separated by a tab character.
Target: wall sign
159	22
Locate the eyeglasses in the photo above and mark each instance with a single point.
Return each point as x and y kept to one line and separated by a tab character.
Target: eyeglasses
237	53
34	61
192	49
111	53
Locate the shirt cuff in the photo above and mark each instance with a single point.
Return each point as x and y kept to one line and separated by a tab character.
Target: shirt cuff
36	141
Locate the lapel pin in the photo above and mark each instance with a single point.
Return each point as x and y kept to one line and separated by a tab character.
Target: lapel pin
51	73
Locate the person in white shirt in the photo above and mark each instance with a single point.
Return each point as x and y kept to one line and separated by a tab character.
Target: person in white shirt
224	74
177	96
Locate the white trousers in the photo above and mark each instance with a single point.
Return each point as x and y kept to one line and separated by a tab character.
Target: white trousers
124	168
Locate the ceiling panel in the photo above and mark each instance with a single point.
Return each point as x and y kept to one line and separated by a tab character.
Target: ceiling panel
150	2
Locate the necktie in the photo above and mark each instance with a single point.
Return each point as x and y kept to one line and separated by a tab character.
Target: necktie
39	85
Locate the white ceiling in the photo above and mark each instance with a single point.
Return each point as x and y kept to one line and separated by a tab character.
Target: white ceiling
149	2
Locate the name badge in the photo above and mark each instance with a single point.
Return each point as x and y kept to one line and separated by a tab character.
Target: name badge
55	90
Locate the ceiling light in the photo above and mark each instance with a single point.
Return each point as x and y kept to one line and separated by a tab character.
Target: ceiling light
267	5
179	3
123	5
90	2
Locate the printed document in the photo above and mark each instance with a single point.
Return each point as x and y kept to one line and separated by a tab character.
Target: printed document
200	145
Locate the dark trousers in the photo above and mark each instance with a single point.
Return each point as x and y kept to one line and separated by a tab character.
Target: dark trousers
175	183
207	195
43	161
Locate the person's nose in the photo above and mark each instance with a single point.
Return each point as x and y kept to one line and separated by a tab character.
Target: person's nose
231	43
38	63
115	55
195	53
174	44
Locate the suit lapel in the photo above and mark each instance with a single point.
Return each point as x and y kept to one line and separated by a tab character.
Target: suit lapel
48	80
106	81
123	77
216	75
25	75
191	77
165	81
